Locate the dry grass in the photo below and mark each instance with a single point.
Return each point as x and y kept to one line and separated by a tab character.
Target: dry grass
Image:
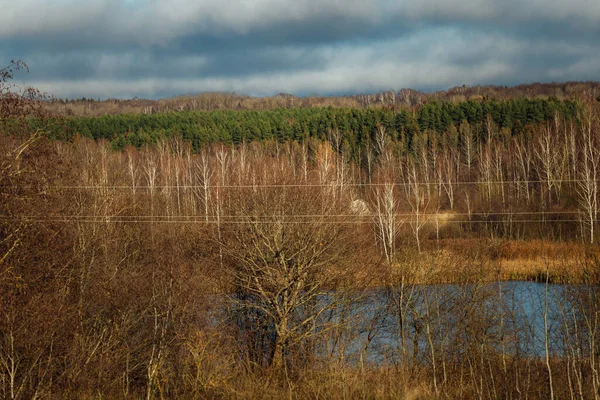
458	260
335	382
568	271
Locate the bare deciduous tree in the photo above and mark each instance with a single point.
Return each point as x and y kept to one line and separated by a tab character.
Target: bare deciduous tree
280	261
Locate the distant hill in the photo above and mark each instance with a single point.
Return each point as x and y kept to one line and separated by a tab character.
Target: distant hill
404	98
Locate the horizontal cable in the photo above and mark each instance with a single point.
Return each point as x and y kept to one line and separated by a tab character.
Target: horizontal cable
299	185
228	222
356	215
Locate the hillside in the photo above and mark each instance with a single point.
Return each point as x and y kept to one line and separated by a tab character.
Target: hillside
403	98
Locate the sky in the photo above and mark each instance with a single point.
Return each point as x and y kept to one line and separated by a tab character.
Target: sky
158	48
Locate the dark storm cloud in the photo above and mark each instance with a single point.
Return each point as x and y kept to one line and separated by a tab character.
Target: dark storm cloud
152	48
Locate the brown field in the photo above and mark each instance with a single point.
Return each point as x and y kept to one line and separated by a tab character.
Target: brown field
459	260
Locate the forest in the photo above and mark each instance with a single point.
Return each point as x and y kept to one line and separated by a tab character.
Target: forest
301	253
359	126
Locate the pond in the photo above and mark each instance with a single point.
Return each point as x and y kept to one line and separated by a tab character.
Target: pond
421	324
416	322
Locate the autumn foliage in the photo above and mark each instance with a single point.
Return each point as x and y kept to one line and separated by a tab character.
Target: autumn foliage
249	270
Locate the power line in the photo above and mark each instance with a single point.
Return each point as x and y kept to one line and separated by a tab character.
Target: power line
176	220
297	185
357	215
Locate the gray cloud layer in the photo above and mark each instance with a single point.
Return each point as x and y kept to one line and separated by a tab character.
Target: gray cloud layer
153	48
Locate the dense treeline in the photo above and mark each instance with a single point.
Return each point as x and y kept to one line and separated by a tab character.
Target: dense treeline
359	126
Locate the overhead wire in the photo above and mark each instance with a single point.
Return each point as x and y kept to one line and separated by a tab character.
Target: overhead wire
295	185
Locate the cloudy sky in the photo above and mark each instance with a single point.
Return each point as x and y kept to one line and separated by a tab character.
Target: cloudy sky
160	48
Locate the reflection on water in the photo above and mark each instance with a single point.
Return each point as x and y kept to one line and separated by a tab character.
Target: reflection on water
480	340
416	322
